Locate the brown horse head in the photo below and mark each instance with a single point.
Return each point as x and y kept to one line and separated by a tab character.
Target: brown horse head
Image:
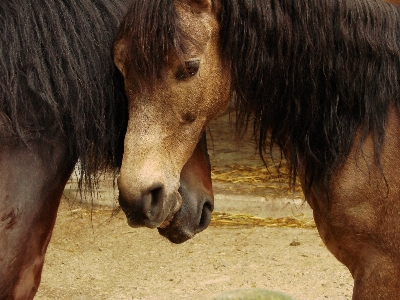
168	55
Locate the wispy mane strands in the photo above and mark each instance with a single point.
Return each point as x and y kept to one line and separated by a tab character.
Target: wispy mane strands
57	76
313	73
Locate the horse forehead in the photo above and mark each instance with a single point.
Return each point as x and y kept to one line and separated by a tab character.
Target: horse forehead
198	25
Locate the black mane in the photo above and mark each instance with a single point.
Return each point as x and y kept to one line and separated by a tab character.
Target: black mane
311	73
57	76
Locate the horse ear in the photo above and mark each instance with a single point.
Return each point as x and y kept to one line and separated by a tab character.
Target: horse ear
200	5
119	50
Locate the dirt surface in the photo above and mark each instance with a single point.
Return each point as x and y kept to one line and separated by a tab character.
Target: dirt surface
103	258
93	253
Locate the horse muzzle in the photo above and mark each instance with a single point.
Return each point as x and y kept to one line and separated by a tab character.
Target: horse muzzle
151	207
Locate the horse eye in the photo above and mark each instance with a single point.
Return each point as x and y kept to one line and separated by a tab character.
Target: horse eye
189	69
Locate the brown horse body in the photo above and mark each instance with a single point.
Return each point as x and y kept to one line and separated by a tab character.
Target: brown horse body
318	78
60	102
30	192
360	226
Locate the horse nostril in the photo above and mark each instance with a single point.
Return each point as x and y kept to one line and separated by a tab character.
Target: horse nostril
146	208
153	202
205	218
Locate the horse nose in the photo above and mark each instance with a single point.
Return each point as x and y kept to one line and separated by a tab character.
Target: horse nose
145	208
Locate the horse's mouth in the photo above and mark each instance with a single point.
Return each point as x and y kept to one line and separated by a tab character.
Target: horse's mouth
175	234
134	222
179	228
174	231
167	222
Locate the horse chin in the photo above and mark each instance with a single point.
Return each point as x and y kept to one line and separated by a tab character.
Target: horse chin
193	217
174	233
180	229
173	230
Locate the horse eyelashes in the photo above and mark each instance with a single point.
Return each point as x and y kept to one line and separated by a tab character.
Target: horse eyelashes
189	69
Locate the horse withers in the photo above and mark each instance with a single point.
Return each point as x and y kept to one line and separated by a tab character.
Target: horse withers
61	98
320	79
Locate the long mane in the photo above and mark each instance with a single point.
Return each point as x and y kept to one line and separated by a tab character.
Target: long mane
311	74
57	76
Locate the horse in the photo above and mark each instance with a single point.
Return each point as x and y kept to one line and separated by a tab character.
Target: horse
320	79
62	99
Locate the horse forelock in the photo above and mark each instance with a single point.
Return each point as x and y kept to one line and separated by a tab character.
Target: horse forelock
149	31
311	74
152	33
57	76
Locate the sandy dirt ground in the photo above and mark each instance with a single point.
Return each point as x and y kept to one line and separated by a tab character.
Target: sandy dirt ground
93	253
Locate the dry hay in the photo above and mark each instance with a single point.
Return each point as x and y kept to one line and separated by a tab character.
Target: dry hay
239	220
258	177
255	172
218	219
